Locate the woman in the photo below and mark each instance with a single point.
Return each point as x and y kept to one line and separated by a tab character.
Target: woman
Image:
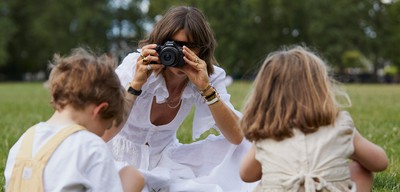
162	97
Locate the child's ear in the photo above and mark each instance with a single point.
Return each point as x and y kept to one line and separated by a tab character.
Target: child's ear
99	108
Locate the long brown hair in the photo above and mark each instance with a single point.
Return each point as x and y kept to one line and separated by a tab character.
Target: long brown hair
198	32
292	90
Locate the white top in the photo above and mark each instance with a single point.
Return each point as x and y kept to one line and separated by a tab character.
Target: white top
166	163
82	162
155	86
305	158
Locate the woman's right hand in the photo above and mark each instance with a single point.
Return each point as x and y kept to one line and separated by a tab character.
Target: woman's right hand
143	67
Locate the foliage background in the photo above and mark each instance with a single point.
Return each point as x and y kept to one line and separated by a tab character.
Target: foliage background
362	34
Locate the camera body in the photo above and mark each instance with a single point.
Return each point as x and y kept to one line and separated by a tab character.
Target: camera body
170	54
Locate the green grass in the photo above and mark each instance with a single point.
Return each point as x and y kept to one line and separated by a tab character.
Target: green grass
375	110
376	113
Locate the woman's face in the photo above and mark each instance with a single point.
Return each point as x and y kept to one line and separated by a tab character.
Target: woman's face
180	37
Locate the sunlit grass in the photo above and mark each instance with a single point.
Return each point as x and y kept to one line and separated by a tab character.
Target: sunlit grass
375	110
376	114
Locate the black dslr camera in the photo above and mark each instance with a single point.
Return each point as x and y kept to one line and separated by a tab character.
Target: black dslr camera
170	54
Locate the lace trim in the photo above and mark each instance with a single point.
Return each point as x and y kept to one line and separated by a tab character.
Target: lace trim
125	151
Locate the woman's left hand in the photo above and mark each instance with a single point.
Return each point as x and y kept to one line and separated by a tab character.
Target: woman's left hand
196	69
227	121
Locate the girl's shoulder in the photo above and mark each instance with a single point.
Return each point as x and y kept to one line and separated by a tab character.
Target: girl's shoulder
344	119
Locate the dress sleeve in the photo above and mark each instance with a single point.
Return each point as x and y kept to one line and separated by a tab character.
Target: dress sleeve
126	69
347	128
203	119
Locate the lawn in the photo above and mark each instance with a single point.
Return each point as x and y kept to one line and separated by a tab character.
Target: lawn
375	110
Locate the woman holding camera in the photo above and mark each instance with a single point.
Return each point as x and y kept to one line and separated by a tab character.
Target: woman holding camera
174	70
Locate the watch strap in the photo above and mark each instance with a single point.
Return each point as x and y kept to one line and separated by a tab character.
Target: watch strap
134	91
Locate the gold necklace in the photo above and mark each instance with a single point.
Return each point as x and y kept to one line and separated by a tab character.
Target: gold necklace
168	102
173	107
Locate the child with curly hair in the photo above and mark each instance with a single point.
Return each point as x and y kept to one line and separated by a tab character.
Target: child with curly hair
66	152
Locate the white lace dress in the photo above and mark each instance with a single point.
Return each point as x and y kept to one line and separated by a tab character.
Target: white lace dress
207	165
312	162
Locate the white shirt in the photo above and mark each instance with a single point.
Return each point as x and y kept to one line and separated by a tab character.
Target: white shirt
82	162
211	164
155	86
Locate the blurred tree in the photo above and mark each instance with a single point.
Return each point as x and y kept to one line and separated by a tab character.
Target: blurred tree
329	27
128	25
384	19
390	48
246	31
332	28
232	23
270	29
375	25
7	29
58	26
351	59
159	7
54	26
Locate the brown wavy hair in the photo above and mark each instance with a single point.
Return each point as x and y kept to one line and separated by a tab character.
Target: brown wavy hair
291	90
83	78
198	32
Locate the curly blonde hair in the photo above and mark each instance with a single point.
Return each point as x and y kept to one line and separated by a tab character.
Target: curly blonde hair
83	78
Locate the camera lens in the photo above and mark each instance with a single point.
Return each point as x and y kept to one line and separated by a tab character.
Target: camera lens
168	56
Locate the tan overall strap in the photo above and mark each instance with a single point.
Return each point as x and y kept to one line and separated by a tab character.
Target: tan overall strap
25	150
27	173
47	150
24	154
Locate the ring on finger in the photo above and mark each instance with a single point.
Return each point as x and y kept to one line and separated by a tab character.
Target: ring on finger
145	60
196	60
142	56
148	67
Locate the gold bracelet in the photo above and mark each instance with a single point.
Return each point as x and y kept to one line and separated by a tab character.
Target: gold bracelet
206	89
209	92
212	97
208	97
213	101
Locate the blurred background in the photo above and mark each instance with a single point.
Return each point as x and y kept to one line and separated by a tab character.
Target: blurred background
360	39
